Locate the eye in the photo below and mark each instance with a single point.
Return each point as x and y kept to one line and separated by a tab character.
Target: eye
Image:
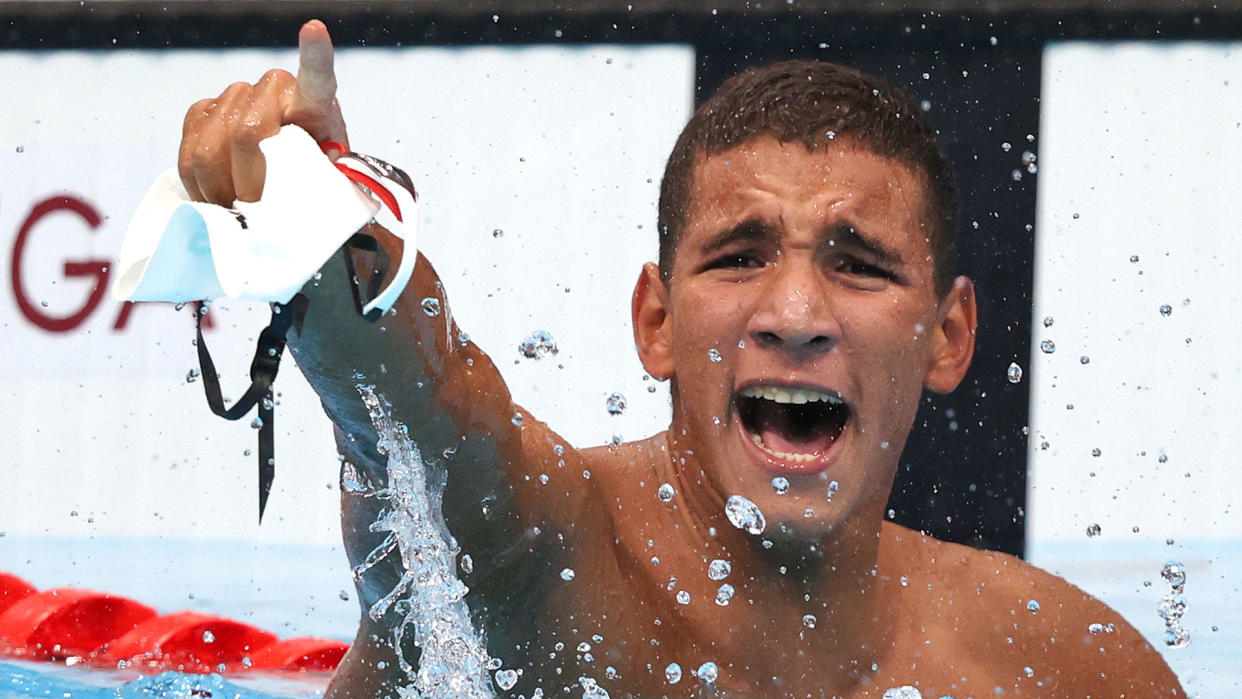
855	267
736	260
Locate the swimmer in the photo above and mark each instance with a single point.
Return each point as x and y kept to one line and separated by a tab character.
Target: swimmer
804	298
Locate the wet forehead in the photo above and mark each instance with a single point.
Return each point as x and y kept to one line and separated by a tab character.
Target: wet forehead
765	178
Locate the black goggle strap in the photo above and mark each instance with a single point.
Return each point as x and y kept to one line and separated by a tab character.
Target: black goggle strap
366	243
263	368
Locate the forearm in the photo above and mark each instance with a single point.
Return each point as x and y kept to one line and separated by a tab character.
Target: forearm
440	387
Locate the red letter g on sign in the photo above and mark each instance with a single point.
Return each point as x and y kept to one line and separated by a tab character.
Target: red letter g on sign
96	268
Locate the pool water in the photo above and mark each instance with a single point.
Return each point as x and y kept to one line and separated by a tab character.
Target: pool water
303	590
23	679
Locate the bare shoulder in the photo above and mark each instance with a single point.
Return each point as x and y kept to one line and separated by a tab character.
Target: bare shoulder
1065	642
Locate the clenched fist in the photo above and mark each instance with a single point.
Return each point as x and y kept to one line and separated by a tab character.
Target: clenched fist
220	161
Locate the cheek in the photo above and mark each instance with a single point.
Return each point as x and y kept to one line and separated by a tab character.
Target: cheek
707	322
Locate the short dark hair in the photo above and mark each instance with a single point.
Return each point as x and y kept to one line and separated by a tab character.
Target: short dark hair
814	102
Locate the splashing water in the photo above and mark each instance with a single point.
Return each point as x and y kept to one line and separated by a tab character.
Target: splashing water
1173	605
537	345
905	692
665	492
615	404
707	672
745	515
454	660
431	306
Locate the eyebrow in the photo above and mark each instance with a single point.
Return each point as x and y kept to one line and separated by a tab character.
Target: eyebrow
747	231
843	233
850	235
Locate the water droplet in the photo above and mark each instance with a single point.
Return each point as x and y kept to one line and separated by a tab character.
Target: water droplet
683	597
506	679
590	688
1163	458
1084	359
191	376
1093	530
1014	373
809	620
537	345
1032	607
714	355
925	105
781	485
567	574
1048	321
498	233
1174	574
1134	258
833	487
209	637
1029	671
745	515
616	404
903	692
467	564
256	423
665	492
1006	146
719	569
707	672
516	419
21	149
651	388
724	594
1096	451
1095	628
584	647
1177	638
672	673
992	40
1047	347
431	306
1166	310
543	478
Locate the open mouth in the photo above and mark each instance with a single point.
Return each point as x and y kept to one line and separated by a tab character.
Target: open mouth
794	425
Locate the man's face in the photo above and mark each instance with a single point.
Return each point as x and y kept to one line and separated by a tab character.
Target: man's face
802	324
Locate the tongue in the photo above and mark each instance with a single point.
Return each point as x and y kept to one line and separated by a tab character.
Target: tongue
796	429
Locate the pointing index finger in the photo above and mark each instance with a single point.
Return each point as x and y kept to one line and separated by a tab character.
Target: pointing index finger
316	82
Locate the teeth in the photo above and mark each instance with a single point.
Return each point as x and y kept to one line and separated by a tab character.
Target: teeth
796	396
798	458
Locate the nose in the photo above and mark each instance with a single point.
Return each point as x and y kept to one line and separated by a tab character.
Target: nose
795	314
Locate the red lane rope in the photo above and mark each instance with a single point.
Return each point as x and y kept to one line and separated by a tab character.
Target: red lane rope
82	626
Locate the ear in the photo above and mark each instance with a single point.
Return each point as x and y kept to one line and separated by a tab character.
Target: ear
953	339
652	331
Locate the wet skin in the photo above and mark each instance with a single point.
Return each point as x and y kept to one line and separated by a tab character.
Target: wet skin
803	270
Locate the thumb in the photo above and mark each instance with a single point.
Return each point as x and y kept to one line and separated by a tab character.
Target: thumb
314	105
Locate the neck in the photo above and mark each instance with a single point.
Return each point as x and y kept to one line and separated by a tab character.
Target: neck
814	600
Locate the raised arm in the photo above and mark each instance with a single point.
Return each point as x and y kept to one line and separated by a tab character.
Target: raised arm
446	391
